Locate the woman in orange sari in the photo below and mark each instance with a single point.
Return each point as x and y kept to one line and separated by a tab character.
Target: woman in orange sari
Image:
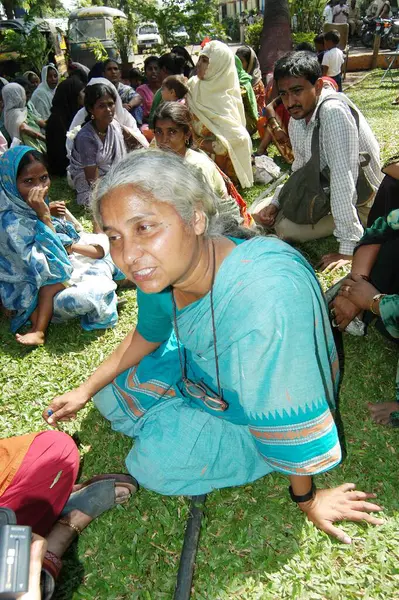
37	477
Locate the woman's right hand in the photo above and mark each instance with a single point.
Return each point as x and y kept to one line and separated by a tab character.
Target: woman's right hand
36	200
66	407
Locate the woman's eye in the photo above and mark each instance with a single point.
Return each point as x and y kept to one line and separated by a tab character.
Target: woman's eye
28	181
144	227
44	178
113	238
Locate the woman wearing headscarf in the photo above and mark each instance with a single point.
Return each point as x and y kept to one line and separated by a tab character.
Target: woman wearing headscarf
189	66
217	110
42	97
68	99
40	252
251	65
99	143
18	120
248	97
33	78
123	117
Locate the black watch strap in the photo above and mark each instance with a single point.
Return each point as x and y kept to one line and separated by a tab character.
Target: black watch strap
306	497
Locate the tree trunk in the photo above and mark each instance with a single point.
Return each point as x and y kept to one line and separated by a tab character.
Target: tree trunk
276	35
8	6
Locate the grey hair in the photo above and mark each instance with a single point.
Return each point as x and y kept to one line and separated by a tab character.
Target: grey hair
168	178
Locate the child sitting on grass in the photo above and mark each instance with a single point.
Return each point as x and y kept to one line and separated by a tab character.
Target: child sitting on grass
174	88
333	57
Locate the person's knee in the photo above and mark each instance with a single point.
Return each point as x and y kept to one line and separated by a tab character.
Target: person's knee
61	449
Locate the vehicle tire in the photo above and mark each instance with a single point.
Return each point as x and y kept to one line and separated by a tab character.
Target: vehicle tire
367	39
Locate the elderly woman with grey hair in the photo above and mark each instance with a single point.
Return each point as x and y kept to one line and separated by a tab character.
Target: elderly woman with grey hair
212	397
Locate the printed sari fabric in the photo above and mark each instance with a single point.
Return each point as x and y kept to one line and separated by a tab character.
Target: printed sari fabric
278	372
32	256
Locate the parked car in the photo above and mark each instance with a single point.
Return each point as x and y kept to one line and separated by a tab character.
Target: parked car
181	36
147	37
93	23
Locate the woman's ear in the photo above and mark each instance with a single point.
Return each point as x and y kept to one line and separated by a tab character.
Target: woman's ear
199	222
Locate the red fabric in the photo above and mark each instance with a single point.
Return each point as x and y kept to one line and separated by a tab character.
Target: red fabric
38	492
284	116
332	81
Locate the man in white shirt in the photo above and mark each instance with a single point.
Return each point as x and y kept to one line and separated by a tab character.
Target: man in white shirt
298	80
328	12
341	12
333	57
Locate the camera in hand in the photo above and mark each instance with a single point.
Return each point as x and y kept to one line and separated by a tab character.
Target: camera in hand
15	543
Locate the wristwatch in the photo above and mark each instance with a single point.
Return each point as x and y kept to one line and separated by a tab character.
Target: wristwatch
306	497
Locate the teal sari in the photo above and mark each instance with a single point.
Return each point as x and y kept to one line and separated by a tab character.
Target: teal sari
278	371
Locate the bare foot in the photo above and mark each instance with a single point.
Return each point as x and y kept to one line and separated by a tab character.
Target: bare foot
32	338
381	412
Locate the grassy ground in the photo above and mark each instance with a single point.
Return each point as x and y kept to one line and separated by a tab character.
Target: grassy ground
255	543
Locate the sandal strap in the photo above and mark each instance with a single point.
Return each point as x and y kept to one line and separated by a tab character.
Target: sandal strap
92	500
71	525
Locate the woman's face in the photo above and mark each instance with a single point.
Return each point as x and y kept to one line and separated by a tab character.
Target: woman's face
202	66
152	73
149	241
52	78
35	81
112	73
33	175
104	110
170	136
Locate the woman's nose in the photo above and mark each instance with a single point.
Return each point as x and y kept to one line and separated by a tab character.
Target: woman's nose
131	253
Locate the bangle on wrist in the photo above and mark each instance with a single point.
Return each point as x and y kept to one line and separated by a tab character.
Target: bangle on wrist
376	298
305	497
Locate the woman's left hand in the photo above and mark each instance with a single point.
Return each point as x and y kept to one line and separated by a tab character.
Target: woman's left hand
58	208
343	503
358	291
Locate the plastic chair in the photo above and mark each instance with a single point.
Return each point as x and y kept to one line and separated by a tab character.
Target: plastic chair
343	30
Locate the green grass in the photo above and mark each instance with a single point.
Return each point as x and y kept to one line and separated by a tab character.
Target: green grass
255	543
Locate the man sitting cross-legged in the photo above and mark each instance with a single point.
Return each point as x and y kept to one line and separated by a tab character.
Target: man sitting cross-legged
298	79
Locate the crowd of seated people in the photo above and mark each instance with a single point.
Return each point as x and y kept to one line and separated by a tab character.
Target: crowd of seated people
159	158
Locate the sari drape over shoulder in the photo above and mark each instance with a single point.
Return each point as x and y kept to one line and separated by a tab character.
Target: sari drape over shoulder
88	151
216	103
278	374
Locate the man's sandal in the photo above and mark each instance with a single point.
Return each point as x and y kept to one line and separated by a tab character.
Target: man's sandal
97	495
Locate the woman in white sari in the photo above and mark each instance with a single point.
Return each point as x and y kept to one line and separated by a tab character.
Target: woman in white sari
217	110
42	97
